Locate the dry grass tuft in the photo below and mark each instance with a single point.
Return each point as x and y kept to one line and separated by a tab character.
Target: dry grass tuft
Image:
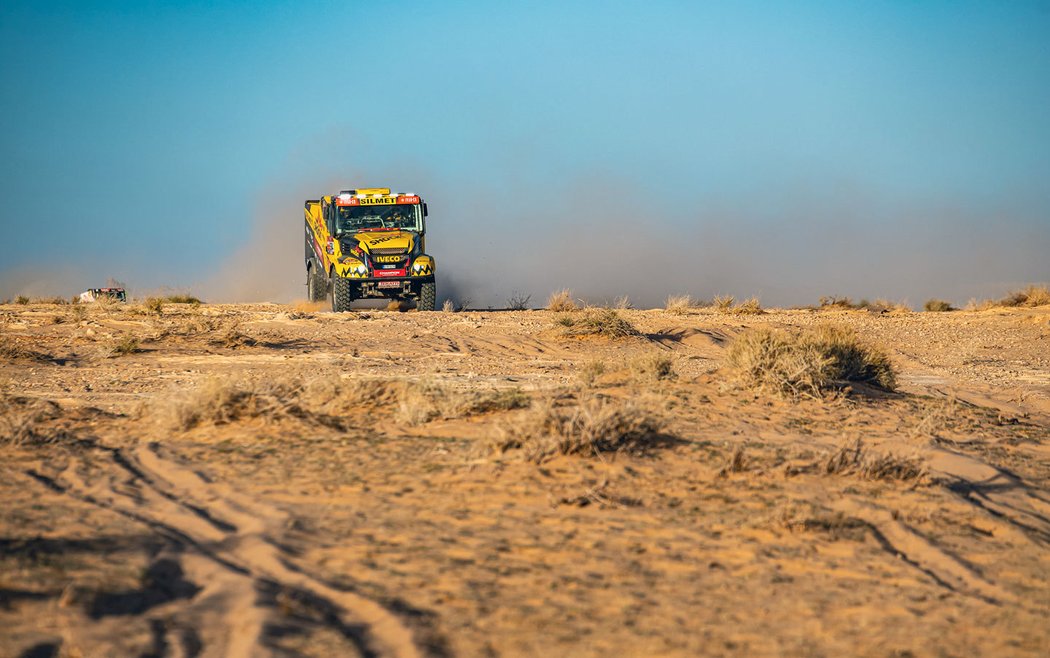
233	338
561	301
604	322
448	306
1031	296
22	421
679	304
811	361
591	371
219	402
182	299
155	306
937	306
590	428
750	306
12	351
852	458
22	300
124	345
335	404
723	303
654	367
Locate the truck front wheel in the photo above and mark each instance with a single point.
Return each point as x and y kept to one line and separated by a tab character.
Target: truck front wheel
316	284
341	293
427	297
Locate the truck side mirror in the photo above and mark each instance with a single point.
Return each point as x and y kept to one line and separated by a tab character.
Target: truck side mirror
424	210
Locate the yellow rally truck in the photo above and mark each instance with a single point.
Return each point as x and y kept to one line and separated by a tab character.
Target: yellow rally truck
368	243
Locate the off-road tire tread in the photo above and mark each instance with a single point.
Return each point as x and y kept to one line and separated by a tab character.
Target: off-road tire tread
427	297
342	294
316	284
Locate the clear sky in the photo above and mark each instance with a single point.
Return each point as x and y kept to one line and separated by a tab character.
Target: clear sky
786	149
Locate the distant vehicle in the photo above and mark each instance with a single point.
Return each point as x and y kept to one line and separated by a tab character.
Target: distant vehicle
368	243
96	294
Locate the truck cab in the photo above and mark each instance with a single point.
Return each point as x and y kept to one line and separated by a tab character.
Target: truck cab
368	243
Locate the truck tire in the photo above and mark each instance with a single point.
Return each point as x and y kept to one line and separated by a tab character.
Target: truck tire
341	293
427	297
316	284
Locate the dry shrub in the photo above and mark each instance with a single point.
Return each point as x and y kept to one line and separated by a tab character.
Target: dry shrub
22	421
723	303
334	403
561	300
182	299
219	402
937	306
124	345
591	371
852	458
598	322
749	306
422	402
22	300
654	367
1031	296
448	306
810	361
592	427
233	338
518	301
679	304
831	301
623	303
12	351
155	306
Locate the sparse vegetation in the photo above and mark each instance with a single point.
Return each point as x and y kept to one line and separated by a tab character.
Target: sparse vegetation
518	301
878	306
233	338
723	303
654	367
22	300
750	306
810	361
604	322
561	301
592	427
623	303
937	306
124	345
678	304
591	371
182	299
853	458
22	421
448	306
155	306
1031	296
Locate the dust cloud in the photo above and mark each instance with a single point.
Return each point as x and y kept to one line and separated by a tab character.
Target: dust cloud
609	243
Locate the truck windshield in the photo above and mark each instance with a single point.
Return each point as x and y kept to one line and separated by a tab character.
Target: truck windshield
358	218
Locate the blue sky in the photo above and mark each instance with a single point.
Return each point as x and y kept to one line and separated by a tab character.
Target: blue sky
168	143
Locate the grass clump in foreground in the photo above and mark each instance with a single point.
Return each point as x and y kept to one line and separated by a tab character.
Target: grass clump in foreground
598	322
811	361
333	404
853	458
590	428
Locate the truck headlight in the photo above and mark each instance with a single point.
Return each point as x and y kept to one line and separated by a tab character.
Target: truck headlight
361	270
418	267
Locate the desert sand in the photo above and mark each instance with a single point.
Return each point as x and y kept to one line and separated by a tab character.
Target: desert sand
252	480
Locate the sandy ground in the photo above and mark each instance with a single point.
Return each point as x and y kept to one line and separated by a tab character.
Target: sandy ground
382	523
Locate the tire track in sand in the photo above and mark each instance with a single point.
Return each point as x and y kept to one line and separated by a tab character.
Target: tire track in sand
220	538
